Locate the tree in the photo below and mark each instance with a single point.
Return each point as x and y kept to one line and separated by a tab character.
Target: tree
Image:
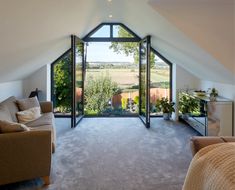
129	48
98	93
62	84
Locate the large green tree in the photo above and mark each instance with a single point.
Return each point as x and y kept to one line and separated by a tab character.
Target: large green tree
129	48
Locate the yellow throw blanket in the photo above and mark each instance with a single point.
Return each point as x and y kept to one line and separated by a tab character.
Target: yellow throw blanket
212	168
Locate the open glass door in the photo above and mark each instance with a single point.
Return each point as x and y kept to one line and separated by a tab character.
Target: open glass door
144	76
78	72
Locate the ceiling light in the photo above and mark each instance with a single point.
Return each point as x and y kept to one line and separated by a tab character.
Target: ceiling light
109	0
110	16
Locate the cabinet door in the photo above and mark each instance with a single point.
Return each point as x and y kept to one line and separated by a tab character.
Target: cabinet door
220	119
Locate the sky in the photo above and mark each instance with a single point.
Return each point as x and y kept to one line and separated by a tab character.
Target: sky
99	51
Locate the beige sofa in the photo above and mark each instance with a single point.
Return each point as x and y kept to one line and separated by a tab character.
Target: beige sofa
27	155
197	143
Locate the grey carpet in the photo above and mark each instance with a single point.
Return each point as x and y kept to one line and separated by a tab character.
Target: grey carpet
119	154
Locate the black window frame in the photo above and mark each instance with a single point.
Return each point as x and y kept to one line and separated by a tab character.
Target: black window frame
52	81
88	38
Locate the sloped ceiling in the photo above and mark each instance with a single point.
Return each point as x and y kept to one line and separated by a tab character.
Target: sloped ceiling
34	33
209	23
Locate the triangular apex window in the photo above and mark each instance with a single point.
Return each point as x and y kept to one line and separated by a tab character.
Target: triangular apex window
121	32
111	32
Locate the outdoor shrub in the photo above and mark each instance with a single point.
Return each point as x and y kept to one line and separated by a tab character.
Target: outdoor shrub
99	92
124	103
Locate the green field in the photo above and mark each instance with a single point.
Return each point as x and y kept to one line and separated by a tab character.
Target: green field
126	78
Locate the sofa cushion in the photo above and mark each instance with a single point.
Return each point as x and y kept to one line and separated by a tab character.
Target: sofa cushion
10	103
28	103
28	115
45	119
5	113
11	127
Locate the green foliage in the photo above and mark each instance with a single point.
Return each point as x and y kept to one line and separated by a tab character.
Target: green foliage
129	48
214	92
62	82
136	100
98	92
187	104
124	103
165	106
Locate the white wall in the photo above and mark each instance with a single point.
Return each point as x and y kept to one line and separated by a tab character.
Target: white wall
41	80
182	79
8	89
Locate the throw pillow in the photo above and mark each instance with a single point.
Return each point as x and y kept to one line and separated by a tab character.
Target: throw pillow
11	127
28	103
28	115
5	113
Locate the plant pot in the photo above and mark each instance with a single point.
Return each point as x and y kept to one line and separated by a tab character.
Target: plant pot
185	116
212	98
166	116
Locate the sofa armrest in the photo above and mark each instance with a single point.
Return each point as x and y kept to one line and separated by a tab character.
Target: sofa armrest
24	156
46	107
198	143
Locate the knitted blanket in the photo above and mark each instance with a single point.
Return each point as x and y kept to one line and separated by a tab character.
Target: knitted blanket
212	168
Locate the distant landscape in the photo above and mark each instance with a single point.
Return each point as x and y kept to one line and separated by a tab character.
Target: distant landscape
126	75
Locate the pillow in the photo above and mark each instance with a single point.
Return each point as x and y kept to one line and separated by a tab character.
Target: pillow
28	103
28	115
5	113
11	127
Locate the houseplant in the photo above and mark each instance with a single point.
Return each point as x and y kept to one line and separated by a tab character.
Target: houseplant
213	94
187	105
166	107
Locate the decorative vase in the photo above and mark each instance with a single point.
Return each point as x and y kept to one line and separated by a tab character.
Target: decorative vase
166	116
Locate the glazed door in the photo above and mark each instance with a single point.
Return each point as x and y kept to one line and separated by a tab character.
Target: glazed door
78	75
144	76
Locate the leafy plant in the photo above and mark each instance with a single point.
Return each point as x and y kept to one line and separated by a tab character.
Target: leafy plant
164	105
62	82
136	100
187	104
124	103
98	93
214	92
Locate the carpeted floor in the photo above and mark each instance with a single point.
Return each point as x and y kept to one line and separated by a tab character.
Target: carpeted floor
119	154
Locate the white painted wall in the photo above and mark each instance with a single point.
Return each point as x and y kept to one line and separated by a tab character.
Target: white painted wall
182	79
39	79
8	89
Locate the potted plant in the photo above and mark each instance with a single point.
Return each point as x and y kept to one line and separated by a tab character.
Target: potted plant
166	107
187	105
213	94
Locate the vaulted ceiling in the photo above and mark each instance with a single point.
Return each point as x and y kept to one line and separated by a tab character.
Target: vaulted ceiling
195	34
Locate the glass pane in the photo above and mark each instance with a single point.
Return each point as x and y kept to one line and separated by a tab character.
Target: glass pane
112	79
120	32
103	32
62	89
79	79
160	81
143	78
